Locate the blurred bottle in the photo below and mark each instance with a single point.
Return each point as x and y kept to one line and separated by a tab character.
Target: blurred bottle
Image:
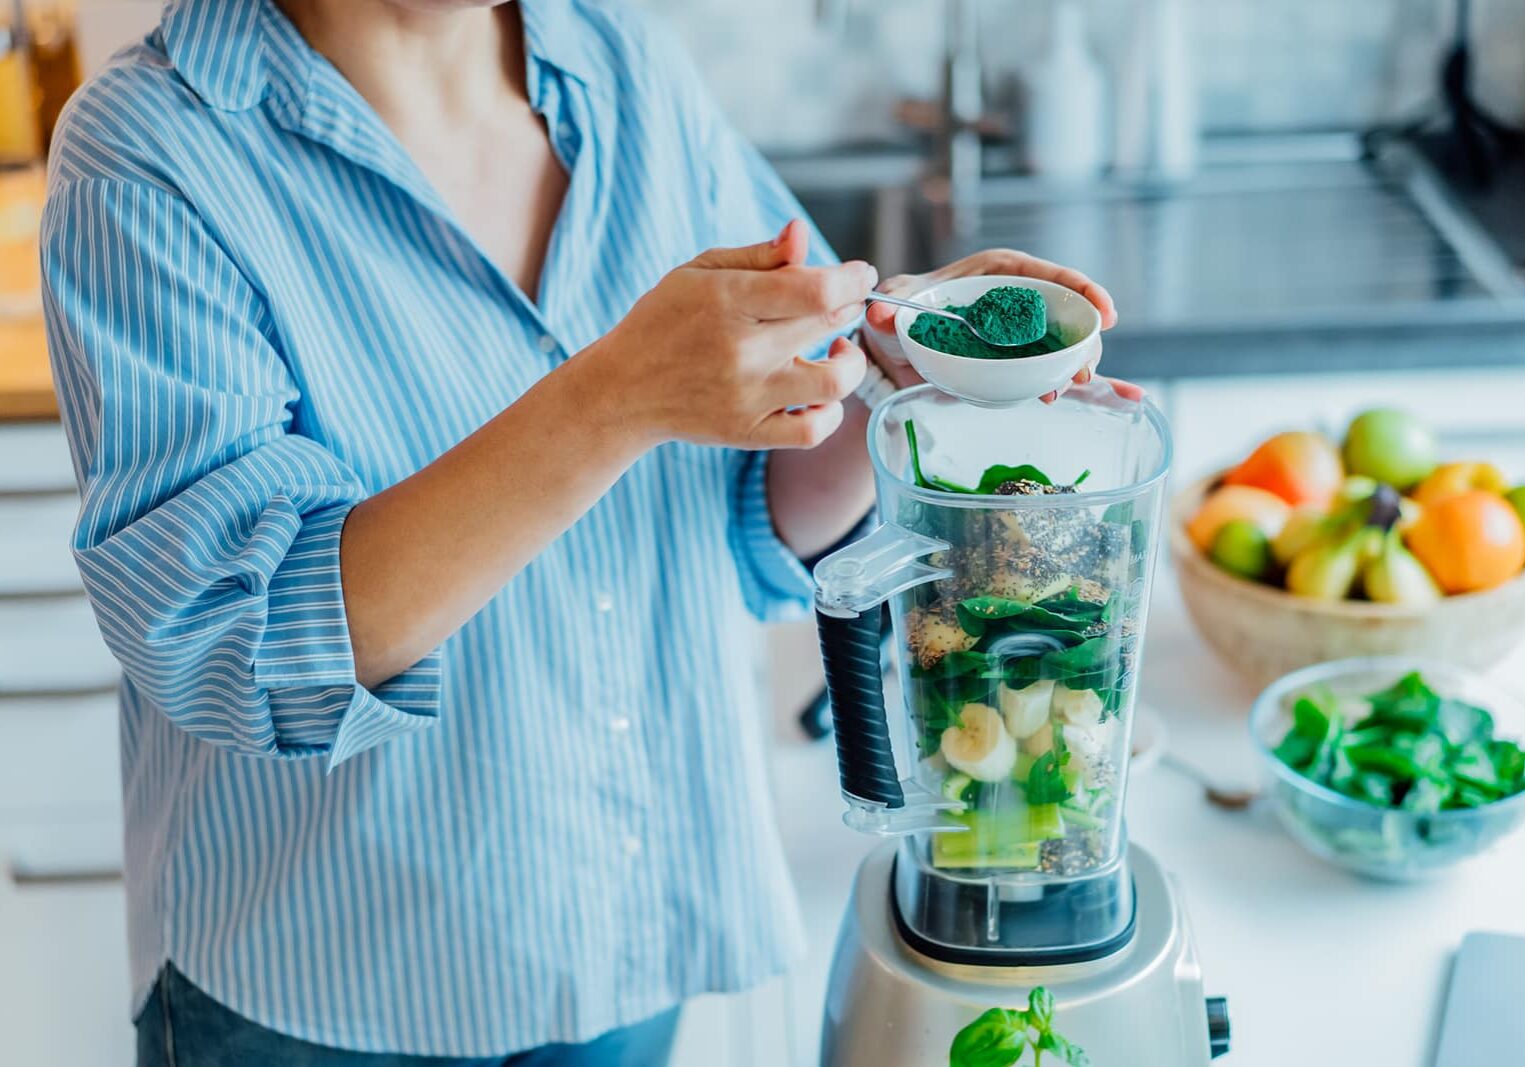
55	60
1156	131
1066	105
20	144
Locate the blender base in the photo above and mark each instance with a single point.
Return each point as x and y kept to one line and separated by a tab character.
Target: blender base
887	1005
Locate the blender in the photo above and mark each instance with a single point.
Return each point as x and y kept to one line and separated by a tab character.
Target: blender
1015	554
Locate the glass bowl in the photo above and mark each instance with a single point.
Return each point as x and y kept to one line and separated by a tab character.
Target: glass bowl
1383	843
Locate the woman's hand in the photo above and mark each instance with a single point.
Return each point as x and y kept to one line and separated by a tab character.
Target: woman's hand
711	355
879	328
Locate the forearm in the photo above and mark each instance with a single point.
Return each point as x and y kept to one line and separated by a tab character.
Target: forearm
817	496
420	558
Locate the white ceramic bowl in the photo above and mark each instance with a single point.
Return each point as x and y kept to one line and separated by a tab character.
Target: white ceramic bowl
998	382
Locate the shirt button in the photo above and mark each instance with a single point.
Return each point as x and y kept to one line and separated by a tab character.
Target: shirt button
604	602
547	344
619	724
632	845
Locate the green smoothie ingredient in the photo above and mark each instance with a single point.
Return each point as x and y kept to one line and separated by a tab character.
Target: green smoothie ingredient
1007	315
1000	1037
1413	749
999	479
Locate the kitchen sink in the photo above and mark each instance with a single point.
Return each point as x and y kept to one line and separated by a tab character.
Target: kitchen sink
1304	259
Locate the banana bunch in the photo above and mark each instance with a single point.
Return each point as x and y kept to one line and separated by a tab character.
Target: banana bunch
1355	546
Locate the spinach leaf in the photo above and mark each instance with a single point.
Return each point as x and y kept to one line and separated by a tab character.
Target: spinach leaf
1414	749
1509	762
1461	722
956	664
999	473
994	476
1045	782
977	613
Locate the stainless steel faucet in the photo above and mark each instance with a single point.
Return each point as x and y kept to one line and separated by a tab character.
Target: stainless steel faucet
963	102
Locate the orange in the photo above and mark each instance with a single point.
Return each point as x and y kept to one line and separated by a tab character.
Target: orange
1469	541
1451	478
1300	467
1225	504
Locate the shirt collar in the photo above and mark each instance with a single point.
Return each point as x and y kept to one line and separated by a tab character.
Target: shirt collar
554	34
221	47
218	47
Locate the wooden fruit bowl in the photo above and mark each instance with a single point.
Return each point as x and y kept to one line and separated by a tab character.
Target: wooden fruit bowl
1264	632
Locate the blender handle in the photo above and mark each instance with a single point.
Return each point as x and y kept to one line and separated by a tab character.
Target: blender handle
855	683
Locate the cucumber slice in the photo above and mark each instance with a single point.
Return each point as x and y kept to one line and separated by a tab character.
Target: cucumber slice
954	786
1005	838
1078	819
952	850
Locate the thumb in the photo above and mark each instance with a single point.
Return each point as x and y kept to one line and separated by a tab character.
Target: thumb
785	250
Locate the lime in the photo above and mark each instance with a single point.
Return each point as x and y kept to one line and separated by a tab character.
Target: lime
1391	446
1516	498
1242	548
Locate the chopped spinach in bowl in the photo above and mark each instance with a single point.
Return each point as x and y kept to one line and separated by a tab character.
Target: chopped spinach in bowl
1406	747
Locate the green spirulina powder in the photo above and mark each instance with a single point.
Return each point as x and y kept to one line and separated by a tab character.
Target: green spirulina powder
1007	314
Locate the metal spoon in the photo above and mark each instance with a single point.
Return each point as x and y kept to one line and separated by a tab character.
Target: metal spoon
1219	796
944	312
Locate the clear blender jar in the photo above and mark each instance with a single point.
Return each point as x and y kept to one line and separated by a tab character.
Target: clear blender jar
1018	612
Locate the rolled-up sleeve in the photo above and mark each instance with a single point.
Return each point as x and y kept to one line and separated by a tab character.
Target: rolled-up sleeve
208	536
775	585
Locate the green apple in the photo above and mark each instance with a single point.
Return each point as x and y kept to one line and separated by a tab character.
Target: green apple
1516	498
1391	446
1242	548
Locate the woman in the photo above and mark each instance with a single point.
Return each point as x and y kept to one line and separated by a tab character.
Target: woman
427	495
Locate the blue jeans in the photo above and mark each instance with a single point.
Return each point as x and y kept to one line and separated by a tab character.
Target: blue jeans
183	1027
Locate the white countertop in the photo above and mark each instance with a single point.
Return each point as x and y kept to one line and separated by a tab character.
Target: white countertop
1319	966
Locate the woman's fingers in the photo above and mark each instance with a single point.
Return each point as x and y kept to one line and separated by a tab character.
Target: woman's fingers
788	247
797	292
810	383
1009	262
1126	390
799	428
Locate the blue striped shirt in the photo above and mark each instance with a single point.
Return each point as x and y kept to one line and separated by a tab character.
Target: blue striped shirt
259	313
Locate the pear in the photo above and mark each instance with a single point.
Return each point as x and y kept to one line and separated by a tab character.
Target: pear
1304	528
1395	576
1329	571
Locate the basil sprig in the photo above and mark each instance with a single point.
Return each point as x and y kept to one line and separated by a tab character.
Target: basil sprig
1000	1037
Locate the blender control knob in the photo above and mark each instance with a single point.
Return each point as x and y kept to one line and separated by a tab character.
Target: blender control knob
1217	1025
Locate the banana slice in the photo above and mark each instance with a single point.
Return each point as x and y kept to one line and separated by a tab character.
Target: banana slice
1077	707
1025	710
980	746
1040	742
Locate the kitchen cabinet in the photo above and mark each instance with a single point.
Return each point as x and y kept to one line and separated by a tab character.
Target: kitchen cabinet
63	975
63	941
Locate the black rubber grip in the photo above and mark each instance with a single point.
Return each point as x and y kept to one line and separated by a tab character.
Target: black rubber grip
854	682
